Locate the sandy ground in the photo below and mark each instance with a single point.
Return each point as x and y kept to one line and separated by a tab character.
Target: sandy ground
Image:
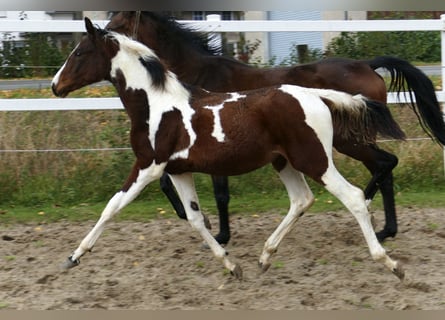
323	264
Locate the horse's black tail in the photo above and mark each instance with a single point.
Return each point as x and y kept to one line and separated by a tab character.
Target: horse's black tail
407	78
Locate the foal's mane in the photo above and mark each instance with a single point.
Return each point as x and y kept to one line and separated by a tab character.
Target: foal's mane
144	54
135	47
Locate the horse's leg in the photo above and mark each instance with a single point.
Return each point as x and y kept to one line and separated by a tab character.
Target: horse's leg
382	179
390	228
185	186
222	197
380	163
136	182
353	198
301	198
169	191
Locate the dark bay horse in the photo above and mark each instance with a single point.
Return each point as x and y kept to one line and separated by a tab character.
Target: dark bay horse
187	53
180	129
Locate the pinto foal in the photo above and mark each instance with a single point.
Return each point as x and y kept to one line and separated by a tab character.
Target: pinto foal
180	130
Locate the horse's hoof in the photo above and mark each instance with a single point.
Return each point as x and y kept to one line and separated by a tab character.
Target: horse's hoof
69	263
222	239
237	272
263	267
399	271
382	235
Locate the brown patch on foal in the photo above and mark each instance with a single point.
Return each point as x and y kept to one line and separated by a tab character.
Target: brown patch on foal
171	136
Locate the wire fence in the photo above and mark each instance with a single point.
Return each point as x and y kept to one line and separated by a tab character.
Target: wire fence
210	26
129	149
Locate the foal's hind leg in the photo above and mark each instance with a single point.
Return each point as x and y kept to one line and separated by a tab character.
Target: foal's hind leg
301	198
353	198
185	186
380	163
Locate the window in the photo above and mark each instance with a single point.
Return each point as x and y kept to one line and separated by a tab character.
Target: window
201	15
198	15
226	15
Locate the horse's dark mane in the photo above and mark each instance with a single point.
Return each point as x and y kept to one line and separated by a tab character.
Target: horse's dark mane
172	33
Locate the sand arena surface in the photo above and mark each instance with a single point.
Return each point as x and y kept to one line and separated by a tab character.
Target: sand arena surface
324	264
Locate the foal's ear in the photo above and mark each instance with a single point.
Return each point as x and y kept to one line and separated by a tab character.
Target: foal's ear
89	26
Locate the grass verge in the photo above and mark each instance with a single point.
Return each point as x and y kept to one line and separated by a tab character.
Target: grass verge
158	207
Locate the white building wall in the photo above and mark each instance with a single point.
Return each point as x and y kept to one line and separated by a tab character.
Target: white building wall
262	53
285	39
96	15
339	15
281	43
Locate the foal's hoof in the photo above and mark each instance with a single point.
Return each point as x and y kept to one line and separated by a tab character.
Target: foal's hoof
263	267
69	263
399	272
237	272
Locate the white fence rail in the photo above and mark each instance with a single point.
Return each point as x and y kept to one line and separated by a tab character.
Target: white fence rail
211	26
242	25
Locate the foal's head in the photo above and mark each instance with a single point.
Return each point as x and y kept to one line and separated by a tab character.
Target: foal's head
89	62
97	58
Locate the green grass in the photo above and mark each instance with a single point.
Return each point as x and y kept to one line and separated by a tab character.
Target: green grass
9	258
159	208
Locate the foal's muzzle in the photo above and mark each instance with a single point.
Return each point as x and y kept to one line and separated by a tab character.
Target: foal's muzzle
56	92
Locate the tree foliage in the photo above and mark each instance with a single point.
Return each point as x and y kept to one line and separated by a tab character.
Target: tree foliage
36	56
410	45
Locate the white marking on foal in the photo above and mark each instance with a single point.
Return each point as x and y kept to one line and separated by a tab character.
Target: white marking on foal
162	100
218	132
57	76
117	203
185	186
317	113
354	199
341	99
301	198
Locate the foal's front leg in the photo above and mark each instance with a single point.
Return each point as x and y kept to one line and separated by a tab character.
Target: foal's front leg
301	198
136	182
185	187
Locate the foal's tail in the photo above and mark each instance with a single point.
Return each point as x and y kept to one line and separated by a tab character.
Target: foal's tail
423	101
359	119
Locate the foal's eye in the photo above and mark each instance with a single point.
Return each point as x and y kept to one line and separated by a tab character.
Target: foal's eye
77	53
